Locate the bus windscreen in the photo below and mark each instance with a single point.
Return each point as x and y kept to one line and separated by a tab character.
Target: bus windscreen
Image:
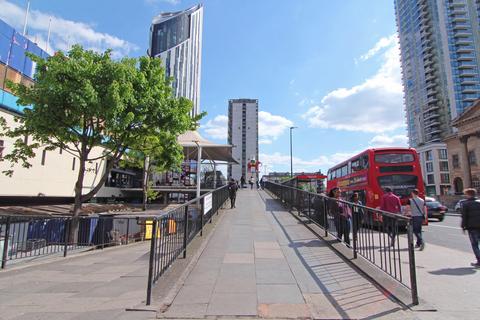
401	184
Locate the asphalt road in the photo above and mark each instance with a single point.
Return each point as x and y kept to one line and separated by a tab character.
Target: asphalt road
447	234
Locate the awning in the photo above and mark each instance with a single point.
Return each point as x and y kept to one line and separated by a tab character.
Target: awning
191	140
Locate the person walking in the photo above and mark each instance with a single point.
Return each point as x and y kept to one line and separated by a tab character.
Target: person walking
390	203
417	209
242	182
357	212
341	215
471	222
232	192
251	182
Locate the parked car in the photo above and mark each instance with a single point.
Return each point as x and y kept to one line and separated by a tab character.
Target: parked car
458	206
435	209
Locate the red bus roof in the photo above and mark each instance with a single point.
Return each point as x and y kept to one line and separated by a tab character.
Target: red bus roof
372	150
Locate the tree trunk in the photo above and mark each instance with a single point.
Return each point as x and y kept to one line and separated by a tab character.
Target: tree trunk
77	207
145	182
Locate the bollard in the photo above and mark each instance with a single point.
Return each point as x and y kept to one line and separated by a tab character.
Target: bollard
6	244
128	229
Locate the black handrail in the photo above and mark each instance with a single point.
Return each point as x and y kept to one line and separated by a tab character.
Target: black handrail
375	233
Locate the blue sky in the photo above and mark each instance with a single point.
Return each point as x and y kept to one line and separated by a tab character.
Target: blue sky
331	68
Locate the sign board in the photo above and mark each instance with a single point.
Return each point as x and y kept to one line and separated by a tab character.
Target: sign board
207	203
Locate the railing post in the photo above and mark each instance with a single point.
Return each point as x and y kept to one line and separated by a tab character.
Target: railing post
355	228
153	242
185	232
202	203
309	206
325	217
6	244
66	234
128	229
411	256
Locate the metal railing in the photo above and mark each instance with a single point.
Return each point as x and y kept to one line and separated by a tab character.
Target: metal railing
174	230
373	234
27	237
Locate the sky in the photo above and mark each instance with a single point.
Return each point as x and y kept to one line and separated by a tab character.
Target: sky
330	68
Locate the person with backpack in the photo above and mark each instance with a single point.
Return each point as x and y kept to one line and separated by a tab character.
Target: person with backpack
471	222
417	209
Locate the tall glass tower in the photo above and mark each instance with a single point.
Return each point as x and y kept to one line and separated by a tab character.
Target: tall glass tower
440	54
176	37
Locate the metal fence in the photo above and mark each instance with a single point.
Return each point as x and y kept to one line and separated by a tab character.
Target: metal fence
382	238
173	231
27	237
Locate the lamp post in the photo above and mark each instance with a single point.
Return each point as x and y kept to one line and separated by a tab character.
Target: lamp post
291	152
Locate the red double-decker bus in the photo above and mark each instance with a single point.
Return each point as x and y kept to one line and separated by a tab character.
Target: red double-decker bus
369	172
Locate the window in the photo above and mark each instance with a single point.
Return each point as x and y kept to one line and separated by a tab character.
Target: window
443	165
73	164
429	166
442	154
444	178
394	157
44	155
428	155
472	158
455	161
2	146
430	179
401	184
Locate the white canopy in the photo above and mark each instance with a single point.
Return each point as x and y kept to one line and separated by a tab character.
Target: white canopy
192	140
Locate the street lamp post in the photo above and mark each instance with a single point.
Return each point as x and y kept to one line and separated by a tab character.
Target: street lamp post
291	152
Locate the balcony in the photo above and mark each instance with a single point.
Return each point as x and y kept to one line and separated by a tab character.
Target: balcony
469	90
467	73
459	18
431	108
430	84
466	65
430	124
428	55
460	26
465	49
462	34
471	99
465	57
431	116
468	82
463	41
430	76
432	99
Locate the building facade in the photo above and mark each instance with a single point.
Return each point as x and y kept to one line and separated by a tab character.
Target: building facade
53	172
440	55
464	150
176	38
243	135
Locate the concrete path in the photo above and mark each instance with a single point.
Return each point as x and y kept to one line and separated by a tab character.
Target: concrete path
101	285
261	262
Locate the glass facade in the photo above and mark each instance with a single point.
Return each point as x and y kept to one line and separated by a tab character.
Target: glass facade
14	64
170	33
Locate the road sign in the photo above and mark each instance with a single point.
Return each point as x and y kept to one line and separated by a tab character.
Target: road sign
207	203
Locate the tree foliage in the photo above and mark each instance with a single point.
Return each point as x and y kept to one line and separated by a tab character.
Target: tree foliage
83	99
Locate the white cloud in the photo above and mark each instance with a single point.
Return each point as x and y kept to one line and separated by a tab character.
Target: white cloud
376	105
270	127
64	33
281	162
385	42
217	128
382	140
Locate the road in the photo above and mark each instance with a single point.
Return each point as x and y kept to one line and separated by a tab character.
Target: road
447	234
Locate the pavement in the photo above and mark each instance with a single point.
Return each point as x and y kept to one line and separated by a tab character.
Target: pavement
101	285
262	262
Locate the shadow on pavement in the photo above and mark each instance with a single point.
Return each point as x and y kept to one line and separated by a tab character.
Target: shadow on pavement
454	271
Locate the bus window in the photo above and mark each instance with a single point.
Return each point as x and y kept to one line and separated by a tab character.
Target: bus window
344	171
394	157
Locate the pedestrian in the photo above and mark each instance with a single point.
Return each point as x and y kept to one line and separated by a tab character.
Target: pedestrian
250	181
357	212
390	203
471	222
242	182
417	209
232	192
341	215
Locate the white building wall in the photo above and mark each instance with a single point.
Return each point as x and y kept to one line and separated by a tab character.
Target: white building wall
243	120
431	167
56	178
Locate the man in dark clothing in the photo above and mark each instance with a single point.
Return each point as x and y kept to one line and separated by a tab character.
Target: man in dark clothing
242	182
390	203
471	221
232	191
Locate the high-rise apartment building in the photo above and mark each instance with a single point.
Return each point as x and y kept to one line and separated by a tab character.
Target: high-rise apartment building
440	53
176	37
243	135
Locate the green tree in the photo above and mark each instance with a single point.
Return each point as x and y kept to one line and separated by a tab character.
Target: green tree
83	99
